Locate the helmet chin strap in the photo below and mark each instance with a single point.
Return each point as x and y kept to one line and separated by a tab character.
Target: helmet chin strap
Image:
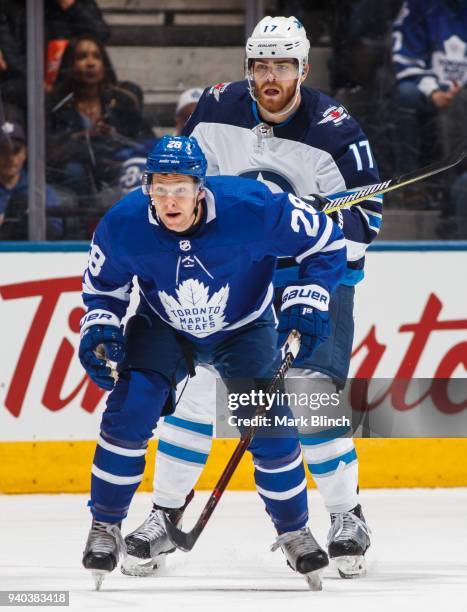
196	208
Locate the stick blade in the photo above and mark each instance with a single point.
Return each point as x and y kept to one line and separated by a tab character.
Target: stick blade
180	539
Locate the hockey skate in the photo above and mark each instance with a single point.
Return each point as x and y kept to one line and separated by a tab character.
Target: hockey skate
304	555
348	540
102	551
148	546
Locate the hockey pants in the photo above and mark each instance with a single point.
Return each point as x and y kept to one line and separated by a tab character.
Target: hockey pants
185	438
154	358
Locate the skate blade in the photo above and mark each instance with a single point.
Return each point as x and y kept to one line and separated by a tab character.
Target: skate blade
98	577
134	566
313	580
350	566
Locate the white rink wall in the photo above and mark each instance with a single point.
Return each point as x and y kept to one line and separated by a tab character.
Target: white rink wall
410	321
410	318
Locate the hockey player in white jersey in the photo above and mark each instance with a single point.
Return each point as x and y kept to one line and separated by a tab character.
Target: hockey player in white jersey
272	128
204	255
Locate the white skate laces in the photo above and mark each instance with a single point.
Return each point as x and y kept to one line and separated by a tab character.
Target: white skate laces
106	537
296	542
304	555
152	528
348	541
345	526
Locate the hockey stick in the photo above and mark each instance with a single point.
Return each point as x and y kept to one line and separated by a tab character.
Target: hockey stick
348	198
186	541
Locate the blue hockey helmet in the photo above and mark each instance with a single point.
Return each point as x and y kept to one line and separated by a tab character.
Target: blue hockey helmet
175	155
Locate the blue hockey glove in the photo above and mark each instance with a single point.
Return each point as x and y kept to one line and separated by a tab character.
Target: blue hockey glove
319	203
111	337
305	308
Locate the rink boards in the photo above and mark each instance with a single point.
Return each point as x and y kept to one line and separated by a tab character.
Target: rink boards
410	321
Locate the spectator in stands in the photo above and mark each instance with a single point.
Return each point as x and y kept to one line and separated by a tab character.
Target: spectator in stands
135	160
14	187
90	119
185	106
13	53
66	19
63	20
430	62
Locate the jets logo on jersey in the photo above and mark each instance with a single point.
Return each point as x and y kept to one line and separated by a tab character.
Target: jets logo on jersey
216	90
276	182
336	114
193	311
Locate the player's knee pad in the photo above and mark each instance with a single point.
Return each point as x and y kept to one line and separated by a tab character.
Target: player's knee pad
135	405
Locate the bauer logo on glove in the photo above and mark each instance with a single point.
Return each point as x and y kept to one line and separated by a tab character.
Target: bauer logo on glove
305	308
310	295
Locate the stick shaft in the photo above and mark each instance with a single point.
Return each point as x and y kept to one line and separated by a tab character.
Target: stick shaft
352	197
186	541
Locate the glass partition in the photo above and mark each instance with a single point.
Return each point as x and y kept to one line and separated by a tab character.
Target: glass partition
118	75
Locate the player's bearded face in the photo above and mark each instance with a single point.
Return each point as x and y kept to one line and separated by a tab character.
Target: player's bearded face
275	82
175	197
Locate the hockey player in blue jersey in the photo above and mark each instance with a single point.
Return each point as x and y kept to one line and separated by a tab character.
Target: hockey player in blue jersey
204	255
294	139
430	65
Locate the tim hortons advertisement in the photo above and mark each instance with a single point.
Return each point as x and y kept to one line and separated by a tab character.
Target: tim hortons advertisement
410	323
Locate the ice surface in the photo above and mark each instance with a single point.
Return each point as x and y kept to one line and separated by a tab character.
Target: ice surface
417	560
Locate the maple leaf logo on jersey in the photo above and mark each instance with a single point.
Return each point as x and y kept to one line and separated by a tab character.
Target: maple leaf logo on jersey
193	311
336	114
216	90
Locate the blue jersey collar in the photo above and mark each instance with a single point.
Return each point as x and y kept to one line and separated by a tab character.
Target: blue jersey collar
254	108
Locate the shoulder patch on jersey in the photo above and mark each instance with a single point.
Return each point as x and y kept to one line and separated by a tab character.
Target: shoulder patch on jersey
336	114
216	90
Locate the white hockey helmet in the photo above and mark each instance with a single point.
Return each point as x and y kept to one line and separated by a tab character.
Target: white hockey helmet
278	37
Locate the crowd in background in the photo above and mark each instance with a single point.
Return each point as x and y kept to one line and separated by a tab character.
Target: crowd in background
399	67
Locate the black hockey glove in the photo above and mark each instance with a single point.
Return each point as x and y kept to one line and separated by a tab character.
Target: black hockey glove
319	202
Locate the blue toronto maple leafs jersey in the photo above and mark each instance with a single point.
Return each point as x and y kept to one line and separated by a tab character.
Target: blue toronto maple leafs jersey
430	44
320	149
219	278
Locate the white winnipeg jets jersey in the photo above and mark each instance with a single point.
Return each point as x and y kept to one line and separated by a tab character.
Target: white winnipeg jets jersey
320	149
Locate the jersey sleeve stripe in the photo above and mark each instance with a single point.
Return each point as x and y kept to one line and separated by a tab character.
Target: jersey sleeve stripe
428	85
412	71
407	60
121	293
355	250
334	246
319	244
373	219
